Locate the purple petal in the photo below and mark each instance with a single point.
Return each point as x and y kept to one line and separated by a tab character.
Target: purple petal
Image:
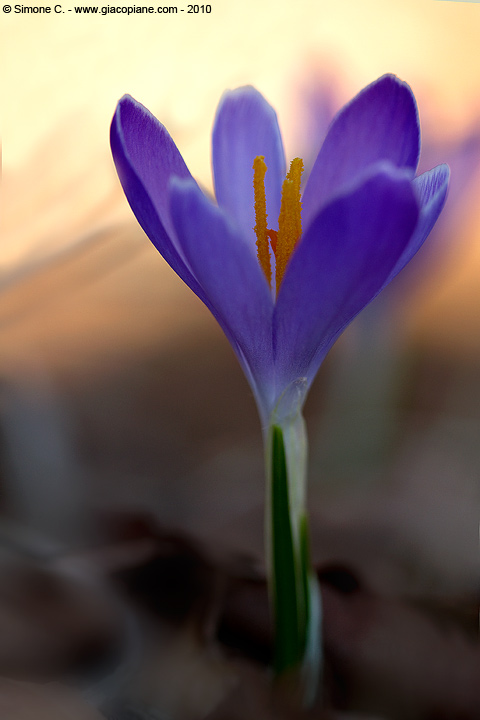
231	278
380	123
463	158
431	189
146	158
246	126
339	266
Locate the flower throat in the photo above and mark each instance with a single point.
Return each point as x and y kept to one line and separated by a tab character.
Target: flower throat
283	240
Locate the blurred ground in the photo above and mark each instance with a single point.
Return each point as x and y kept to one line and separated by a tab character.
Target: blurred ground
122	425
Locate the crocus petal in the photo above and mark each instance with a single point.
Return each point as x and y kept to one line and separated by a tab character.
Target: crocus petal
380	123
463	158
339	266
146	157
431	189
231	278
246	126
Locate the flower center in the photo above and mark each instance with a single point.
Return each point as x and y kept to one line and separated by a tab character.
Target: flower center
283	240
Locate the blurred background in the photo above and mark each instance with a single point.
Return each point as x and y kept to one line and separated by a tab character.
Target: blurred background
124	417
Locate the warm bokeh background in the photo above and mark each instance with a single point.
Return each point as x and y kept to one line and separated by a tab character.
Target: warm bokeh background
62	75
117	390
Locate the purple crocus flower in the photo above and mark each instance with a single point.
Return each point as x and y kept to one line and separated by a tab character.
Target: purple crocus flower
363	213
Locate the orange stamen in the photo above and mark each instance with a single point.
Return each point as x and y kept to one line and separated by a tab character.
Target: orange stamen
289	220
283	240
260	228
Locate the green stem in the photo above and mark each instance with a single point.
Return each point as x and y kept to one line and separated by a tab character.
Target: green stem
288	620
294	593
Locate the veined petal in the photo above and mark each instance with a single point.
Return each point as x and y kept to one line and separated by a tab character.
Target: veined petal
380	123
146	157
431	189
246	126
341	263
231	278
